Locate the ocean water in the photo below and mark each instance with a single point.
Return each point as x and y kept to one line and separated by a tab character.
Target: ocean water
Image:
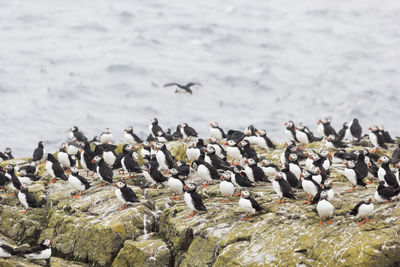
102	63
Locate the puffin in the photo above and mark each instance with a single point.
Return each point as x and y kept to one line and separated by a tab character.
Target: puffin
239	177
4	180
53	167
396	155
254	172
27	199
216	161
248	204
219	150
41	252
155	129
205	171
106	137
247	150
145	152
310	186
183	88
235	135
282	188
363	209
77	182
153	175
175	183
125	194
14	181
251	135
74	132
130	137
301	135
86	159
182	168
293	166
376	137
353	175
385	134
26	179
234	151
290	131
361	165
164	157
327	187
216	131
6	251
344	132
386	193
334	143
129	163
263	140
64	158
39	152
7	153
324	208
104	171
385	173
226	187
193	200
325	129
187	131
193	150
269	168
355	130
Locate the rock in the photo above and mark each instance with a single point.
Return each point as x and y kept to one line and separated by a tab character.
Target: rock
17	262
59	262
144	253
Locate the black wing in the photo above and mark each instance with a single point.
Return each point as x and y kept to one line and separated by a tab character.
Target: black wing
269	142
169	159
328	130
136	138
106	172
38	154
387	138
341	134
190	131
31	200
132	165
197	201
4	157
171	84
381	141
254	204
243	180
354	211
129	195
158	177
360	180
36	249
58	171
83	181
80	137
396	156
286	189
7	249
193	83
156	128
259	174
356	130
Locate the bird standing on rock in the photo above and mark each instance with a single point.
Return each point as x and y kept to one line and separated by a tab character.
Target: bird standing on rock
248	204
125	194
193	200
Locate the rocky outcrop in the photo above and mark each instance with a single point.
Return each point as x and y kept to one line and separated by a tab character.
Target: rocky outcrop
156	232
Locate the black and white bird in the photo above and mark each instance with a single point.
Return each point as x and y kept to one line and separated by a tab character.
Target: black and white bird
103	170
146	150
175	183
86	159
354	130
154	128
363	209
216	131
130	163
334	143
247	150
205	171
310	186
53	167
215	160
325	208
385	134
106	137
39	152
226	187
77	182
26	179
248	204
8	153
376	137
234	151
290	131
74	132
193	200
325	129
27	199
269	168
125	194
164	157
263	140
41	252
6	251
353	175
254	172
130	137
64	158
219	150
183	88
385	173
282	188
386	193
187	131
153	175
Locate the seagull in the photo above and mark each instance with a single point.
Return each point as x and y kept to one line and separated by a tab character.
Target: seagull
183	88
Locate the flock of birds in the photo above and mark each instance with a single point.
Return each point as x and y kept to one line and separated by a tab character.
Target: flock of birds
228	158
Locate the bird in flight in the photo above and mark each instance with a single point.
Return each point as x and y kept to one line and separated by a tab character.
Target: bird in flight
183	88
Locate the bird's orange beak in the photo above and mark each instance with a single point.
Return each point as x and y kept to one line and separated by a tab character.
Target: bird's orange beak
51	241
92	161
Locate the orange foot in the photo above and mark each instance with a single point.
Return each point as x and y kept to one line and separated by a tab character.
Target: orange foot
1	189
123	207
360	223
307	202
23	211
321	223
52	181
205	185
77	196
101	185
365	220
329	221
350	190
11	194
129	177
192	214
368	182
237	194
245	218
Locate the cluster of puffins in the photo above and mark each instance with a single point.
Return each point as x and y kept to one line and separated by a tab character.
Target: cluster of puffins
229	157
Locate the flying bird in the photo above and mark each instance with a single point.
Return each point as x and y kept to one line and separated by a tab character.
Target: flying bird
183	88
